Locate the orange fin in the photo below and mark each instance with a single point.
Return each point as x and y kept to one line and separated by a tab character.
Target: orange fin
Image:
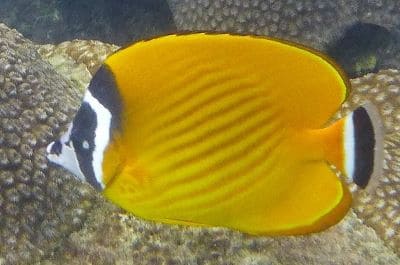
315	200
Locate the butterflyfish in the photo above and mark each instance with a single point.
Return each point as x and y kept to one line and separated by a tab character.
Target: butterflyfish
222	130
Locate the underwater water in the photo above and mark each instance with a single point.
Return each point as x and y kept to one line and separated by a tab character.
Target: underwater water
51	49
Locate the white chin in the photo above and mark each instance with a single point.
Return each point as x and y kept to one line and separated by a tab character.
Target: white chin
67	159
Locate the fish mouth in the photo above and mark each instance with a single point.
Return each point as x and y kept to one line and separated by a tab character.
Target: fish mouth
54	148
64	155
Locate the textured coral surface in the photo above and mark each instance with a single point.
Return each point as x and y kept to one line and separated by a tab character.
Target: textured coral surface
380	209
320	24
76	60
39	205
110	237
383	90
312	22
91	53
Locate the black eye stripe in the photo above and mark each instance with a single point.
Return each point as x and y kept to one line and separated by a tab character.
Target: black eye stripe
84	129
104	89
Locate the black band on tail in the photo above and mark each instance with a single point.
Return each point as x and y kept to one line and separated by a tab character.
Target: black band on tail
364	149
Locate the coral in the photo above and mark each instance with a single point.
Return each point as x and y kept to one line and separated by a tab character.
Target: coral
381	209
117	21
91	53
319	24
313	22
39	205
76	60
383	90
109	237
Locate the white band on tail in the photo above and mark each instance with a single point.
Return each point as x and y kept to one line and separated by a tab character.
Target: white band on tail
349	147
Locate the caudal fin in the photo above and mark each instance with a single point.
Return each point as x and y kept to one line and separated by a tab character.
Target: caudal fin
363	146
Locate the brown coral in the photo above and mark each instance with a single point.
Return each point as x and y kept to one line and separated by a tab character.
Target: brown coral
320	24
380	209
311	22
39	205
91	53
110	237
76	60
315	23
383	90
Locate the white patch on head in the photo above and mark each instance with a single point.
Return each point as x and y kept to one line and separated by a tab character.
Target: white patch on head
67	158
85	145
102	134
349	147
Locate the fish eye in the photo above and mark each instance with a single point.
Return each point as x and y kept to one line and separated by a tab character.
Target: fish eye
85	145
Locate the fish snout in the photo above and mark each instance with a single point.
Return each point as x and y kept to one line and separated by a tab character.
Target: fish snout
63	154
54	148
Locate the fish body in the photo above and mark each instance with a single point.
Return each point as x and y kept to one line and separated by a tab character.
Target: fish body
221	130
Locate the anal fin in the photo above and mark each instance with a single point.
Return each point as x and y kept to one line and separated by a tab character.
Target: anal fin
316	200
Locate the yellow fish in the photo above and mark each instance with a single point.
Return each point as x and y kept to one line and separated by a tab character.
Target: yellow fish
222	130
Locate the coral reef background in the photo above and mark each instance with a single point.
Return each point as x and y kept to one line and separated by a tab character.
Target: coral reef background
77	60
357	239
39	205
109	237
48	217
321	24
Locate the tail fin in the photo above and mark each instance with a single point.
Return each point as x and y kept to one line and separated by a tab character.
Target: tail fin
363	146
